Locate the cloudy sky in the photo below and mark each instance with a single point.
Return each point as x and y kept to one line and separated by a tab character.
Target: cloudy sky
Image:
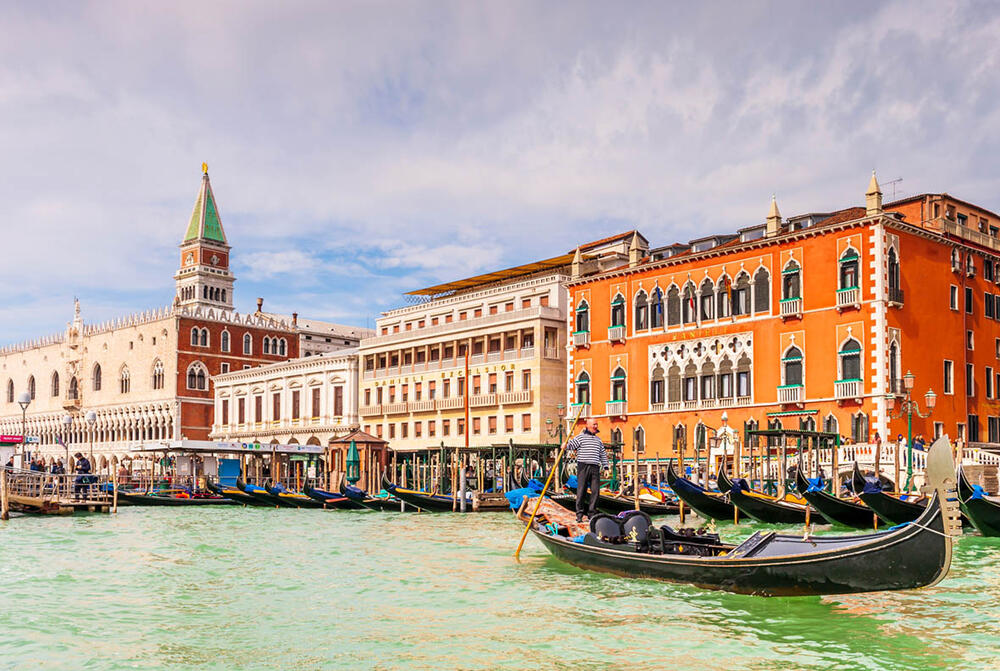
360	150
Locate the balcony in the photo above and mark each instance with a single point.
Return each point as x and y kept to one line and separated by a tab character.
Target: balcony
895	297
368	410
847	390
451	403
528	352
708	402
656	407
395	408
581	338
848	298
616	333
582	408
72	402
551	353
514	397
615	408
495	356
742	400
426	405
673	405
791	393
791	307
482	400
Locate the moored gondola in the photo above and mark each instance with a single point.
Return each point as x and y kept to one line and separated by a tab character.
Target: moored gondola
262	494
295	499
708	504
434	503
332	500
153	499
607	503
890	509
837	510
983	512
362	499
235	494
768	564
763	507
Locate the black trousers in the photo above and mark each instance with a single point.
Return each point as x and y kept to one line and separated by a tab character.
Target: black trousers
588	476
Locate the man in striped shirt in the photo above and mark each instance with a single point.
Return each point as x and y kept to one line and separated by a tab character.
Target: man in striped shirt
591	459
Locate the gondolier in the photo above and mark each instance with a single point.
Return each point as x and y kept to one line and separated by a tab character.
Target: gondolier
591	459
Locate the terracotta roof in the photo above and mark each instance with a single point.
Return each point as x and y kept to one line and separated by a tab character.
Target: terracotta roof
613	238
842	215
359	436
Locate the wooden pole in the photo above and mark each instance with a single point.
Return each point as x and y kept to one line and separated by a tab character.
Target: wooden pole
114	499
895	469
635	476
4	501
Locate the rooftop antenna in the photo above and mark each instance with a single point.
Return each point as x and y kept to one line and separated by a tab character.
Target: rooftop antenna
894	182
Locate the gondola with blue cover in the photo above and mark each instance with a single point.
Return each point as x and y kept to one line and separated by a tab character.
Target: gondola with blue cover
837	510
763	507
363	500
708	504
434	503
889	508
982	511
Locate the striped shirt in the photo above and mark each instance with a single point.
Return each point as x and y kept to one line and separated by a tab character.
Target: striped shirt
589	449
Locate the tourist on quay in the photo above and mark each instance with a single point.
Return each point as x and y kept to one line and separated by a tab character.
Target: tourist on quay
10	464
918	442
82	471
58	468
591	459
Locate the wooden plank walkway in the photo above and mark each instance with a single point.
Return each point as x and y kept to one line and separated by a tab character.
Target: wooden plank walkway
51	494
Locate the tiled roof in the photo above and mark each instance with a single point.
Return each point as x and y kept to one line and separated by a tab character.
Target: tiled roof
205	222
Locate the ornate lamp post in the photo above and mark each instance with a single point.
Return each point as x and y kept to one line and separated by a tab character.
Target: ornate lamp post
91	419
908	408
557	430
23	400
67	421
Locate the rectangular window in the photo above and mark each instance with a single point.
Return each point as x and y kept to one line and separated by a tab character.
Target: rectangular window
476	426
949	377
690	389
418	390
368	397
315	403
241	410
418	429
378	395
493	383
276	407
431	389
508	423
225	411
938	430
431	428
525	303
969	304
526	380
970	380
492	424
988	388
476	385
404	430
224	368
448	319
338	401
969	342
726	385
508	381
508	307
392	431
989	304
526	422
478	312
460	423
974	428
445	388
461	386
493	309
258	408
297	403
708	386
445	427
953	297
544	301
743	383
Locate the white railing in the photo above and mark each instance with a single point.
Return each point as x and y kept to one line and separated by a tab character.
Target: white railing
494	356
673	405
480	400
574	408
394	408
615	408
422	406
527	352
742	400
843	389
790	394
727	402
581	338
849	297
656	407
450	403
511	397
690	405
616	333
791	307
552	353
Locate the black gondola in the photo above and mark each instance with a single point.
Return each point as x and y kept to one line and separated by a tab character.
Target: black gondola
617	504
983	512
262	494
362	499
889	508
153	499
335	501
765	508
236	495
434	503
295	499
839	511
708	504
768	564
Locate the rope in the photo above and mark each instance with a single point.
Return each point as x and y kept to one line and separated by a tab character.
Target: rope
925	528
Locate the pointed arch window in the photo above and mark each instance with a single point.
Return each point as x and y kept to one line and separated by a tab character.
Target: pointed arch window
792	367
583	388
724	298
673	306
641	311
830	424
247	344
197	377
158	374
195	333
689	306
10	391
657	387
707	299
859	427
618	311
807	423
639	440
583	317
616	438
124	381
674	384
749	426
97	377
850	360
203	339
894	384
680	437
74	390
741	295
224	341
893	269
762	291
267	345
849	270
618	384
282	347
31	387
791	281
55	384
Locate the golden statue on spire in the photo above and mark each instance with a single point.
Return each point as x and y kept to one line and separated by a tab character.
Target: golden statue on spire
204	168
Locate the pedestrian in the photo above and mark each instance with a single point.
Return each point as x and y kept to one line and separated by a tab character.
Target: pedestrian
918	442
82	480
591	459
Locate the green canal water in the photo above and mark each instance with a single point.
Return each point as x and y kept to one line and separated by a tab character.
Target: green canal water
235	588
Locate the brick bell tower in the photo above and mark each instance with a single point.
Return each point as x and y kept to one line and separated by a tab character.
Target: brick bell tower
204	279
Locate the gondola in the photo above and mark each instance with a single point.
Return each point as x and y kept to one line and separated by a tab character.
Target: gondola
332	500
983	512
889	508
708	504
167	500
763	507
262	494
433	503
362	499
837	510
567	501
607	503
236	495
296	499
769	564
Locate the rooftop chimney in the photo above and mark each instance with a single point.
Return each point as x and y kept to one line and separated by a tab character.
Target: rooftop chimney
873	198
634	253
295	319
260	304
773	219
577	260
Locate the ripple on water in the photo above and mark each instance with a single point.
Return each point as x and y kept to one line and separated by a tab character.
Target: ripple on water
257	588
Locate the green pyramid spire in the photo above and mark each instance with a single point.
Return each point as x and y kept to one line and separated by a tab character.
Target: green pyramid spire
205	223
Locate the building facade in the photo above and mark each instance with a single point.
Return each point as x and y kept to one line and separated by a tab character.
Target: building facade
146	376
807	322
512	326
310	400
319	337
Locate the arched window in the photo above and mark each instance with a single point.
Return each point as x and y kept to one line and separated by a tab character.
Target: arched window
830	424
194	337
792	366
267	345
691	382
583	388
616	438
673	306
618	311
197	378
791	281
157	374
55	384
657	388
74	389
894	386
859	427
203	341
583	318
97	377
282	347
223	295
725	378
807	423
247	344
849	269
31	387
125	382
707	299
10	391
656	309
707	379
741	295
762	291
639	440
680	437
689	306
224	341
743	381
674	384
893	270
641	321
850	360
749	427
724	299
618	385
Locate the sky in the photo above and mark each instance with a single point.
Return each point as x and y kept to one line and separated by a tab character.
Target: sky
360	150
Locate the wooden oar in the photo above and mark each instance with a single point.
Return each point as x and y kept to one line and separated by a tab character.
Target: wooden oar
548	481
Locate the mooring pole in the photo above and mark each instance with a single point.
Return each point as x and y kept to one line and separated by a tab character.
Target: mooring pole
4	502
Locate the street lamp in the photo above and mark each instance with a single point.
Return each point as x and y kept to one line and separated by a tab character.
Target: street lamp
908	407
67	421
91	419
556	431
23	400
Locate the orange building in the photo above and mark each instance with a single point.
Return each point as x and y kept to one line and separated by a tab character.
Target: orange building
809	322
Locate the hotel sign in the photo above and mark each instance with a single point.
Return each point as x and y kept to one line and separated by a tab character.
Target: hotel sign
10	438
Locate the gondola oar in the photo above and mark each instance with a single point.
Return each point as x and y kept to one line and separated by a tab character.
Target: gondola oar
548	481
